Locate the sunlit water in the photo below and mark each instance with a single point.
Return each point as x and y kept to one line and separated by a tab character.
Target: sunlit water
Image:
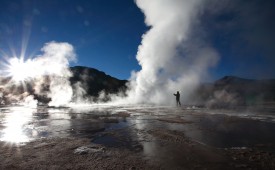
218	128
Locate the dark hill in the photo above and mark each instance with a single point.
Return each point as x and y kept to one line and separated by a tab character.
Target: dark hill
227	80
233	91
95	81
86	83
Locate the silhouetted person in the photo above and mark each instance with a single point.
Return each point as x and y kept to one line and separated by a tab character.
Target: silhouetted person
178	98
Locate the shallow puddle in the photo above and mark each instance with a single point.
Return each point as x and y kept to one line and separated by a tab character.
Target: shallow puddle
103	124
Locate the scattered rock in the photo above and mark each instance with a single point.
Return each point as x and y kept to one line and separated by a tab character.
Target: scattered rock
89	149
171	136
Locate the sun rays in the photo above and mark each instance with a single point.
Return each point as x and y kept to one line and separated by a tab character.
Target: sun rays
20	70
45	74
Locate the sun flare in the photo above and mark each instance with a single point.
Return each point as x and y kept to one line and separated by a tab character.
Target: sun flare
19	69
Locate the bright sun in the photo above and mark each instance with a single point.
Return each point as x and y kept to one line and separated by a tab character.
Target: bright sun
19	70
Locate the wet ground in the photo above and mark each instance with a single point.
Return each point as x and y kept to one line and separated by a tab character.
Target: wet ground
172	137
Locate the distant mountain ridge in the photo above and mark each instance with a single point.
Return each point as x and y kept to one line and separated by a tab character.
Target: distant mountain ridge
231	91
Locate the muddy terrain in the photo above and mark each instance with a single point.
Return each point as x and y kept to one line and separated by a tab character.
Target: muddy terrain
135	138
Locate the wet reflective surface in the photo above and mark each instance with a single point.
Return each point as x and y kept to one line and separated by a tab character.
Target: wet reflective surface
126	125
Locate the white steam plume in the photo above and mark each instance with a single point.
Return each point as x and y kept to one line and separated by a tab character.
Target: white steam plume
172	57
49	71
55	63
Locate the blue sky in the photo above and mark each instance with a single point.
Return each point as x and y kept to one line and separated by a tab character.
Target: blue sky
106	33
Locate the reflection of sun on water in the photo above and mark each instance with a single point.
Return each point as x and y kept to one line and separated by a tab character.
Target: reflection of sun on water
14	123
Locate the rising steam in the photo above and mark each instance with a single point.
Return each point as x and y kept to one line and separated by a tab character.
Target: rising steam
172	57
47	74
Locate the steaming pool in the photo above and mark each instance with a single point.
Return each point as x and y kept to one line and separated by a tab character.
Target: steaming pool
218	128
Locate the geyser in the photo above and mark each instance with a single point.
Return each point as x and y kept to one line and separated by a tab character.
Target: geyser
49	70
172	55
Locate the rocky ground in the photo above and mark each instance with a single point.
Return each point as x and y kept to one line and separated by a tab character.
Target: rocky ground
72	153
138	139
68	153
